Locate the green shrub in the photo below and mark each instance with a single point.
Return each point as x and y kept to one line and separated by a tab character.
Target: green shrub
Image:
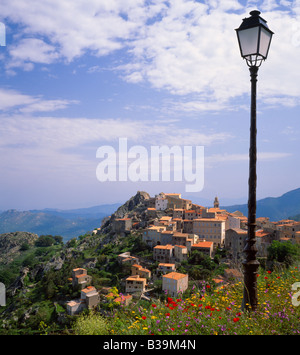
91	324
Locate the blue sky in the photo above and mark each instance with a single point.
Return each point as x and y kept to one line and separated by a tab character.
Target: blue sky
79	75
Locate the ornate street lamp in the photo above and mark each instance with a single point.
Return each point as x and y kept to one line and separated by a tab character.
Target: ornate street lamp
254	38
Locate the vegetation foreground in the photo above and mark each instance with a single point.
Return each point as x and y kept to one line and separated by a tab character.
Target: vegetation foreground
208	310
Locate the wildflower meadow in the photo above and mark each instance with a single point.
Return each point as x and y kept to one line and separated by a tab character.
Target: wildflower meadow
215	310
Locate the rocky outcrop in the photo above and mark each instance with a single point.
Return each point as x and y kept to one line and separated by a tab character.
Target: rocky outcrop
135	203
135	208
18	284
12	244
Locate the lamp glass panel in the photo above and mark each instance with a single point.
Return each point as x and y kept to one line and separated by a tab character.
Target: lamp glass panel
265	39
248	40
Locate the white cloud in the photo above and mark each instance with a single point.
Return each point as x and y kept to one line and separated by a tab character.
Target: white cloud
183	46
11	98
62	147
15	101
34	50
74	27
63	133
195	51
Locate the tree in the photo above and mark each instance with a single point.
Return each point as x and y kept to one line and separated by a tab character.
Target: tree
58	239
25	246
283	252
196	257
196	272
44	241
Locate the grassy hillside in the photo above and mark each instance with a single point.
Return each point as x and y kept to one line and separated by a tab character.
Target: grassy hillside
38	287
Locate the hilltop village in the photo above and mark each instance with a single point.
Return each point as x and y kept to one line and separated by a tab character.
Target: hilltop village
173	227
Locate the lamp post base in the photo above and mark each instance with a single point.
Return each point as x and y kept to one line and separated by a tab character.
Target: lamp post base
250	299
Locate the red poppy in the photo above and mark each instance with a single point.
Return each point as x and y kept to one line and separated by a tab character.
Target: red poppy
238	314
154	305
144	317
207	286
178	300
236	319
172	328
200	305
167	314
170	299
207	307
266	278
269	272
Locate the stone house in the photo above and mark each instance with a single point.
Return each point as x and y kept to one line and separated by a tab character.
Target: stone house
166	268
186	239
211	229
139	270
176	202
178	213
122	225
75	307
151	212
179	224
161	203
190	214
163	253
80	278
263	241
135	283
235	240
174	283
166	237
89	298
204	247
127	258
187	226
180	253
232	222
151	235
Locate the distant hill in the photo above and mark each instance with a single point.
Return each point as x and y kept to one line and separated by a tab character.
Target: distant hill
276	208
66	223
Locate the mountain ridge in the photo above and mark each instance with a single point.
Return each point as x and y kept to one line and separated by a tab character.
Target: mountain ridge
66	223
276	208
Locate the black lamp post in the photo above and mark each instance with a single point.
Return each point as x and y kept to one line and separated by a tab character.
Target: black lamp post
254	38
